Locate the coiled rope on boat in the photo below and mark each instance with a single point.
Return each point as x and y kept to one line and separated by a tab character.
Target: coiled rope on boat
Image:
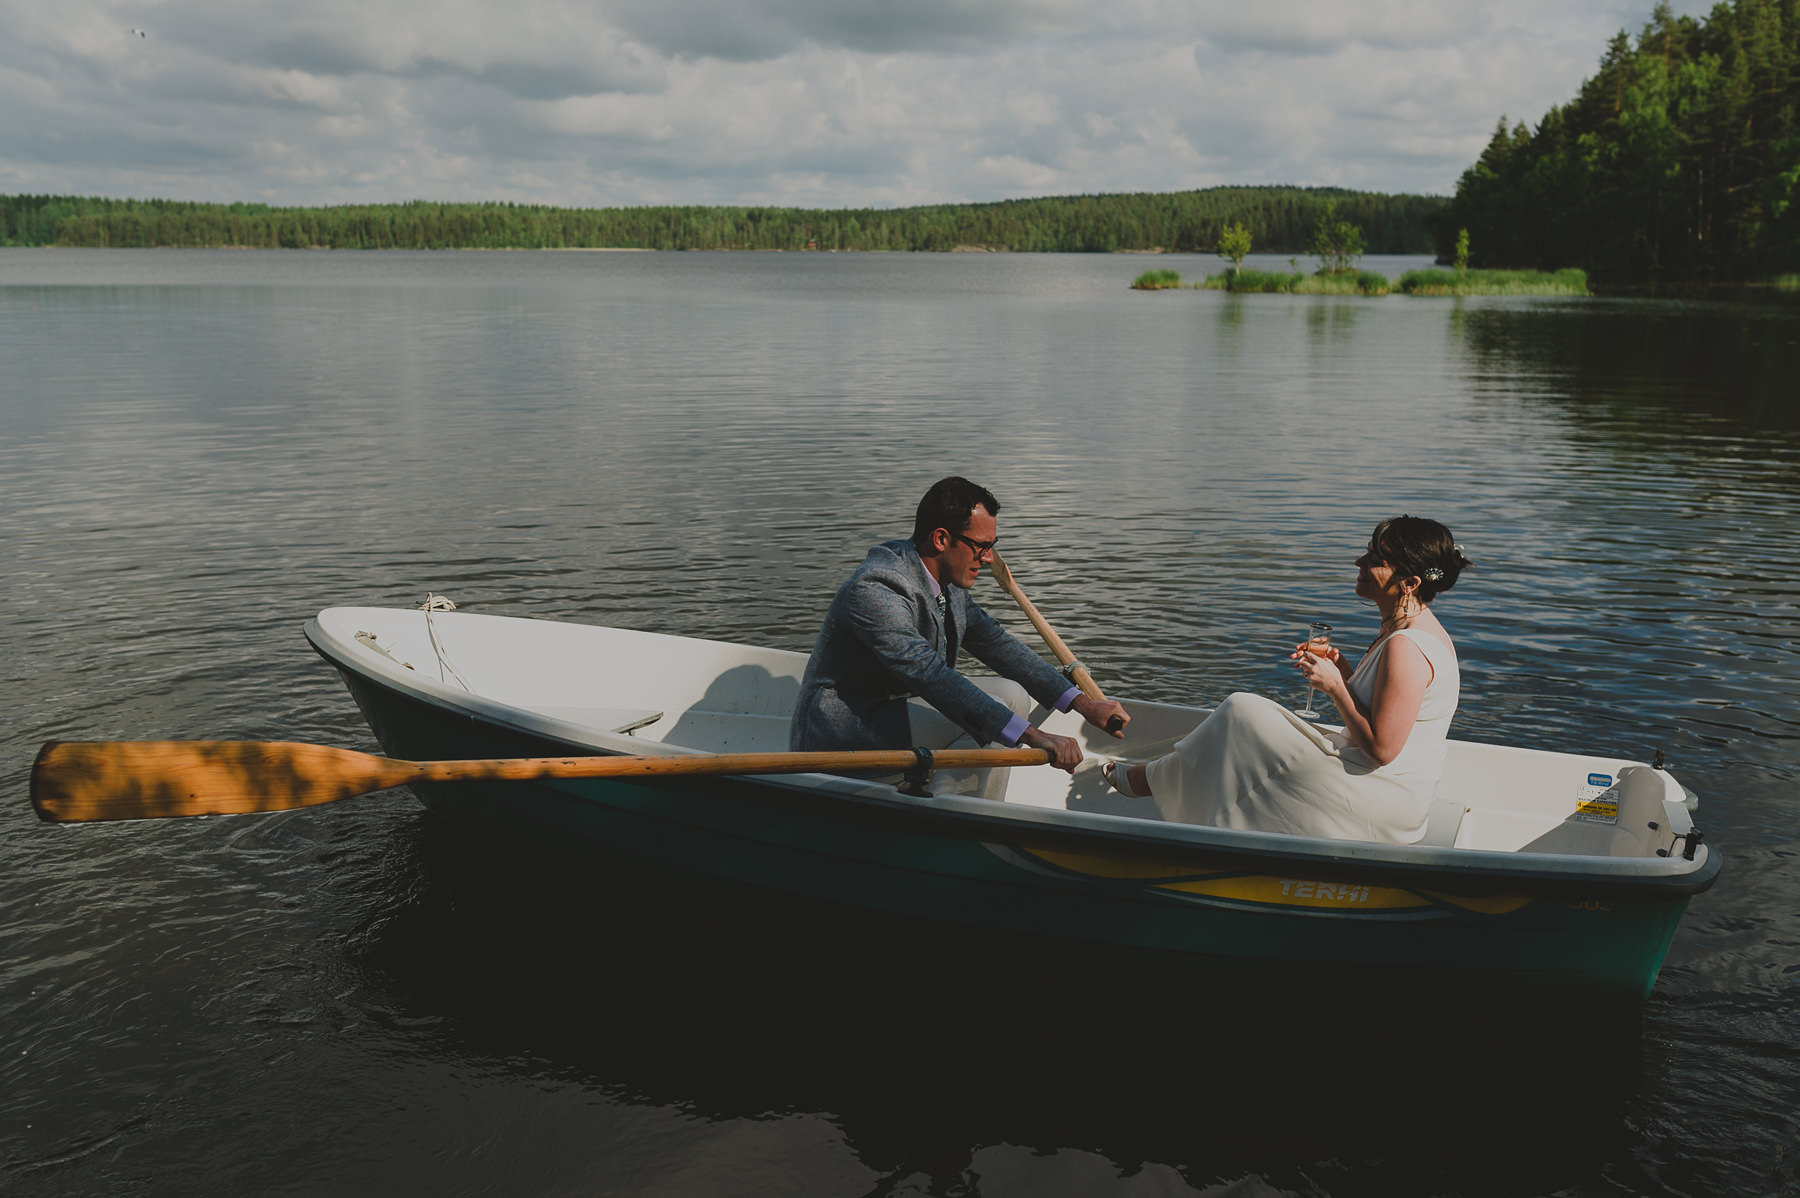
437	603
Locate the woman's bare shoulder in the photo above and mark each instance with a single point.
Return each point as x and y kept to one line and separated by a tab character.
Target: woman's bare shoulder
1427	645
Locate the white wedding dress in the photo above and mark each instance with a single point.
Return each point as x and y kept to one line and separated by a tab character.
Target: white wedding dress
1255	764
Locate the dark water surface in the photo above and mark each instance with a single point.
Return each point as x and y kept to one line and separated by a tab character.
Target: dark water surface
202	449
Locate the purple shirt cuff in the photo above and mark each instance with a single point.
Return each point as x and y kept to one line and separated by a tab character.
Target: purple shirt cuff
1015	727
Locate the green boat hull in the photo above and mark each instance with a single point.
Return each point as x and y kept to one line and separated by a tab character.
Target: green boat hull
1179	903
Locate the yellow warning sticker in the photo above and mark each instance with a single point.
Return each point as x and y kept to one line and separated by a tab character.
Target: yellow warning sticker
1595	803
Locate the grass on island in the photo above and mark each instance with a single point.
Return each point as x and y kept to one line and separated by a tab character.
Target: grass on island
1157	280
1493	282
1788	282
1343	282
1413	282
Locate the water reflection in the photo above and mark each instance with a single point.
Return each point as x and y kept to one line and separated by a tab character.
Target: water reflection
1231	320
1332	323
1630	368
923	1048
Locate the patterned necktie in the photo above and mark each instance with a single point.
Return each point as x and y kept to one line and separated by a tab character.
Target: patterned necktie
949	628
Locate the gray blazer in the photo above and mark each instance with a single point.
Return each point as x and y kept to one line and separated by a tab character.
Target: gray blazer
884	642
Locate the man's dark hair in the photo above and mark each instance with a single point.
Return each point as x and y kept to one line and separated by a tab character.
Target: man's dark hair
949	504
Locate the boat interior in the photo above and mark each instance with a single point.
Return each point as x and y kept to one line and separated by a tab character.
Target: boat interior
635	692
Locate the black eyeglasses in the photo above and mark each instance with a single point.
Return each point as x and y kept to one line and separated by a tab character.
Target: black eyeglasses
981	548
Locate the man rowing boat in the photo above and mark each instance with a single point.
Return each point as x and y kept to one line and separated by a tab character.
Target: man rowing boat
883	673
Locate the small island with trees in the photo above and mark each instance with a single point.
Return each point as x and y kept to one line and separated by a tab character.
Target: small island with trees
1338	245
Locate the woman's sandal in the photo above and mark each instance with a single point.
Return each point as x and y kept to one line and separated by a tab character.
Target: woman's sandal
1118	776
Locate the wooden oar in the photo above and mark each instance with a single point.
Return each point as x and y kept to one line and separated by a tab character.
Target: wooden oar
75	781
1078	673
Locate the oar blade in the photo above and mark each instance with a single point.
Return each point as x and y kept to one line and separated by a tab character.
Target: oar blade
78	781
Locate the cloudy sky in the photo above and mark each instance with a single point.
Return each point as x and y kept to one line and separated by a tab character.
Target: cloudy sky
828	103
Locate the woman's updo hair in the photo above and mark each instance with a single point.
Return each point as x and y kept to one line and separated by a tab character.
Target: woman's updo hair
1414	546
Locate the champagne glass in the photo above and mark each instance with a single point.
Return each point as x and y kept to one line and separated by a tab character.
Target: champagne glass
1318	639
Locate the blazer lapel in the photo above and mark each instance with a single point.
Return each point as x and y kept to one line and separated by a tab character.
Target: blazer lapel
940	617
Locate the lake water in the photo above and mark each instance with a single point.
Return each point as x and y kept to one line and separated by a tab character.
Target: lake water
202	449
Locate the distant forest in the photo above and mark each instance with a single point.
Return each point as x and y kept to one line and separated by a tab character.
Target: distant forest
1280	219
1680	158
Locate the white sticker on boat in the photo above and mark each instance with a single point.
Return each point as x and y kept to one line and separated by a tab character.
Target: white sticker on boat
1597	801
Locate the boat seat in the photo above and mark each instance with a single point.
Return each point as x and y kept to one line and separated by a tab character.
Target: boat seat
604	719
1442	823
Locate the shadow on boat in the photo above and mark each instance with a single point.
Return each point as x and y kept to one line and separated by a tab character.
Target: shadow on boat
923	1046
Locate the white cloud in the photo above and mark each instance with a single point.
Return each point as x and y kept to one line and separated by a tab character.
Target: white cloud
1308	27
811	102
758	30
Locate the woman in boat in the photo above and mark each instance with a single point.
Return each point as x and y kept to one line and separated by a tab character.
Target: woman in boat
1254	764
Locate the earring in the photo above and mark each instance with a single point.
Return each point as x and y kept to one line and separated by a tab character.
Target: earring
1410	606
